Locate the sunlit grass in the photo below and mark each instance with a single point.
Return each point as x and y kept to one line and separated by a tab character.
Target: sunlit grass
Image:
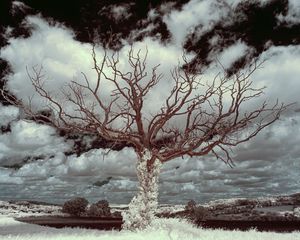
162	229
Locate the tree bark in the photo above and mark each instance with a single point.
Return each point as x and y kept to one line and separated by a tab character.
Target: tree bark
143	206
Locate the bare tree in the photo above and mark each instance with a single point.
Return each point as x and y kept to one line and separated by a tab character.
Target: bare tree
212	118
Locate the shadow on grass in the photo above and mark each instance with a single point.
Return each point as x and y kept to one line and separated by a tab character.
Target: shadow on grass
75	222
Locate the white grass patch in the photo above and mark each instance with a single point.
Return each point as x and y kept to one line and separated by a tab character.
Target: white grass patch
21	210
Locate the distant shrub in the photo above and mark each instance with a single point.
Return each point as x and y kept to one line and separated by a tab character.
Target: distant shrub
99	209
296	198
75	206
246	202
191	205
103	203
116	214
196	213
200	213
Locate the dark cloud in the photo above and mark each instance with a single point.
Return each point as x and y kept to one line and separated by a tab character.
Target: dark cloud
254	23
12	14
97	20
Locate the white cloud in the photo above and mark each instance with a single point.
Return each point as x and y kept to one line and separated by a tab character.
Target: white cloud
205	13
8	114
229	55
94	163
103	163
280	73
30	139
7	178
63	58
52	47
293	14
166	7
259	165
18	6
120	12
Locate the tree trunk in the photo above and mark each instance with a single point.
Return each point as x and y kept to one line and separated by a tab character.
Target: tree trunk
144	205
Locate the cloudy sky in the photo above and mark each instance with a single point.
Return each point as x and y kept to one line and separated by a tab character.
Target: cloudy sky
38	162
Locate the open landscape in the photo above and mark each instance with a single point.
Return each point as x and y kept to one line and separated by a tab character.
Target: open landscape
262	218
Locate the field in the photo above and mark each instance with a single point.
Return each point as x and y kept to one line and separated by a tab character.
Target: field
169	229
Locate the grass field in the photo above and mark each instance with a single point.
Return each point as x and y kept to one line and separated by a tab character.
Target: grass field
163	229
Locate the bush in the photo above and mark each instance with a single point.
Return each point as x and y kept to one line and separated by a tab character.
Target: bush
190	206
246	202
196	213
200	213
75	206
99	209
103	204
296	198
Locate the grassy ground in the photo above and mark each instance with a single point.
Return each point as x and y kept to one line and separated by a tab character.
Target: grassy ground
163	229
